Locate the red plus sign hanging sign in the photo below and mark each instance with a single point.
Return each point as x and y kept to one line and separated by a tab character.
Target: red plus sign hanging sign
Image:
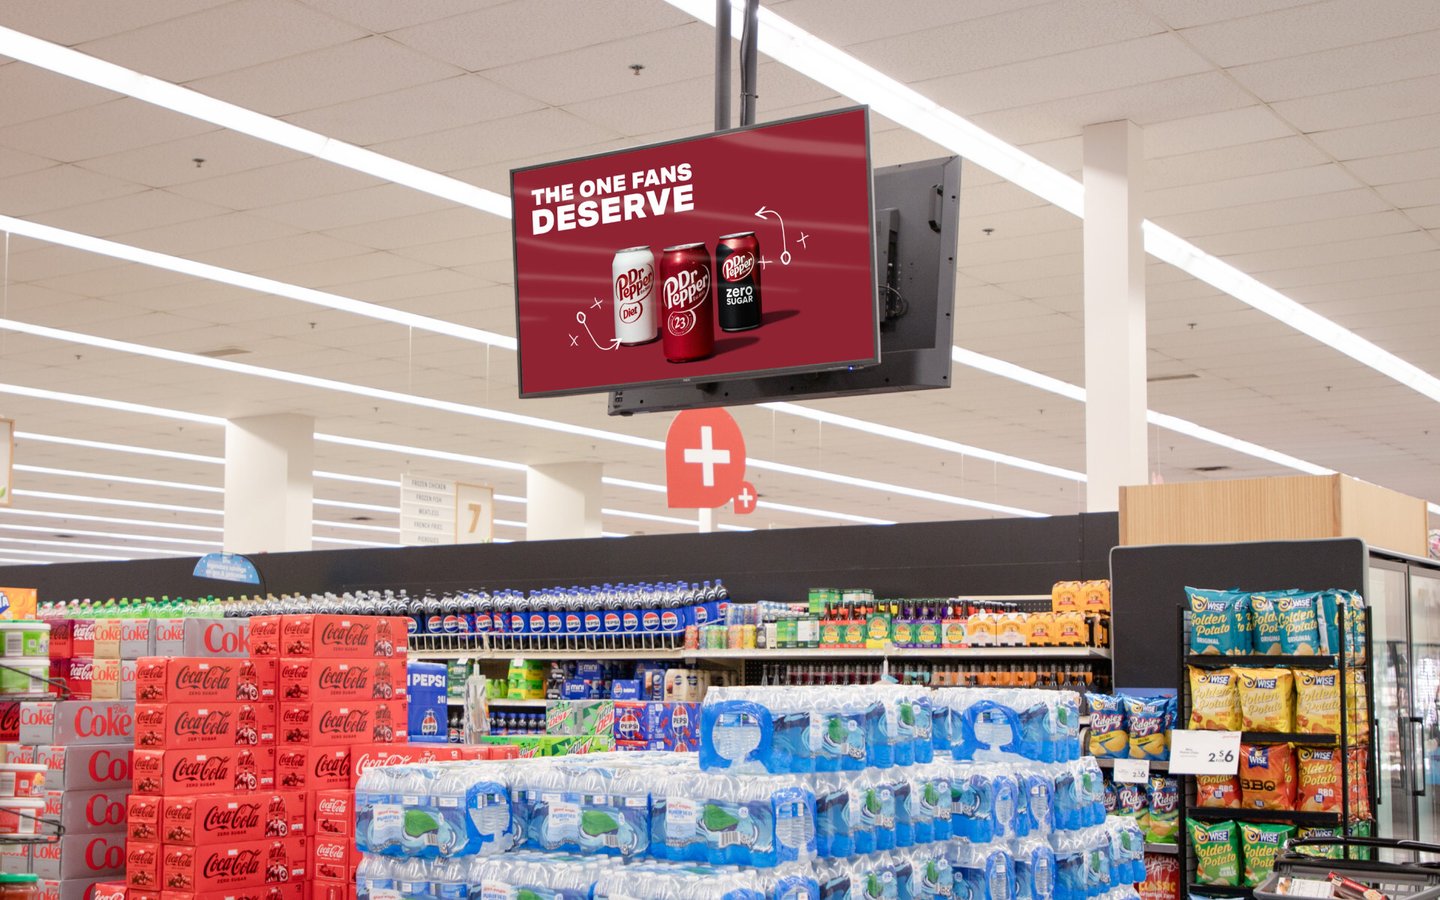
745	499
704	459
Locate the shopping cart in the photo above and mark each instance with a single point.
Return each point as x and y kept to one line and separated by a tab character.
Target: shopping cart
1411	877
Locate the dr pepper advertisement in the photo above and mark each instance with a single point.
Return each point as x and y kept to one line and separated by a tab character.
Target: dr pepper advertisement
735	254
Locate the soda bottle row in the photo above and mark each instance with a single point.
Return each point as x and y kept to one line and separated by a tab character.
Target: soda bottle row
516	723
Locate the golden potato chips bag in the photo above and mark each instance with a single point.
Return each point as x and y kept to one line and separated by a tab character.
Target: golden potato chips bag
1214	699
1317	701
1320	779
1265	623
1267	700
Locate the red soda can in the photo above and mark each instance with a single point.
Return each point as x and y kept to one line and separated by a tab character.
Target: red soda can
737	281
689	332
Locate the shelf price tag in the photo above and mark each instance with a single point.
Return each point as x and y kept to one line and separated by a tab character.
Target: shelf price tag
1131	771
1204	752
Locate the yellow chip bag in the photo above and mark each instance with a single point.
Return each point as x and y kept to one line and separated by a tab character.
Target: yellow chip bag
1267	700
1317	701
1214	699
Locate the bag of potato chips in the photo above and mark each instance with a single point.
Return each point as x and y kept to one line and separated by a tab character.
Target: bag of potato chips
1148	720
1163	826
1299	624
1359	782
1317	701
1267	776
1328	831
1109	738
1217	791
1214	699
1219	622
1261	844
1162	877
1265	631
1320	779
1267	700
1131	801
1217	851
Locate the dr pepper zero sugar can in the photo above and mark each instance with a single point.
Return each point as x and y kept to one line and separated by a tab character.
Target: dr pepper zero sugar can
633	272
737	281
685	292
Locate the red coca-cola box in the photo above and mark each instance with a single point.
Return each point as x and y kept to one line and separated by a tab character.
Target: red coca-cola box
249	817
109	890
264	640
87	812
343	722
290	890
183	773
175	725
335	637
193	679
72	722
80	856
62	639
299	768
142	818
75	889
200	637
322	889
142	895
86	766
333	813
308	679
10	721
366	756
77	673
331	858
214	867
142	865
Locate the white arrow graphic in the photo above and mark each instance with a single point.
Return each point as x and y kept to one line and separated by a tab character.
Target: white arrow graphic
614	344
761	213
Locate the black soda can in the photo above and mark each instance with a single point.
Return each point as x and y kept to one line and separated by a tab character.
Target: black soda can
737	281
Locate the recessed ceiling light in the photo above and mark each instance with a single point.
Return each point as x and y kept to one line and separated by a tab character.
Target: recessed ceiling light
222	352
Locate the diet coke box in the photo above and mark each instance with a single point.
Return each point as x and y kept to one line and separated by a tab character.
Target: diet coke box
330	858
338	637
264	636
176	725
188	820
184	773
37	723
333	814
299	768
20	753
200	637
87	812
80	856
136	638
246	864
193	679
107	639
86	767
342	723
364	757
113	679
142	865
14	859
341	679
77	722
77	674
74	889
142	818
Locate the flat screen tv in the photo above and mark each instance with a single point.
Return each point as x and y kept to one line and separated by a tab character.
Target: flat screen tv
728	256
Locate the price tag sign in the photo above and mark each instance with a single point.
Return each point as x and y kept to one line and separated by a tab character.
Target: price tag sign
1204	752
1131	771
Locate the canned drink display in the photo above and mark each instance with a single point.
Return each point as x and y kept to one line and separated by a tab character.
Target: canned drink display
689	330
633	275
737	281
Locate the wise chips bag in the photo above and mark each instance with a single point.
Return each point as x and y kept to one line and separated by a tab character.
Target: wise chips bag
1214	699
1148	720
1261	844
1267	700
1329	831
1217	791
1300	624
1219	622
1317	701
1265	630
1267	776
1109	738
1320	779
1217	851
1164	823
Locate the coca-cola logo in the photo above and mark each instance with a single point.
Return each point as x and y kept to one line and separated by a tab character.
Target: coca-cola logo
36	715
242	862
635	285
84	630
9	718
170	630
81	669
242	817
209	770
737	266
135	631
111	721
343	721
343	678
347	634
333	765
142	808
332	806
330	852
202	677
202	723
295	715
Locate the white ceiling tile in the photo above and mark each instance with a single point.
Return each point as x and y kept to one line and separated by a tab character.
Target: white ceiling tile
147	209
1310	28
545	131
1406	56
1234	161
436	106
169	163
438	227
34	93
1274	213
1374	103
207	234
111	127
381	16
1184	13
57	187
359	206
1412	193
1379	139
271	185
71	22
1272	186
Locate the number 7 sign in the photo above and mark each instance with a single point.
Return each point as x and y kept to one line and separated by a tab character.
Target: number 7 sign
474	513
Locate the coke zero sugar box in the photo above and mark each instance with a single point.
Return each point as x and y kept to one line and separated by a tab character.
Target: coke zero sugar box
80	856
178	725
366	756
108	890
200	637
142	818
86	766
75	889
87	812
342	723
10	721
77	674
217	866
77	722
331	858
341	679
179	773
290	890
142	865
301	768
227	817
332	637
264	640
192	679
334	813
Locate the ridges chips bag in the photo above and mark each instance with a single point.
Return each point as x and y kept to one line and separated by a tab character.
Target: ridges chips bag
1265	630
1162	877
1267	776
1109	738
1217	791
1219	622
1217	851
1300	624
1317	701
1164	823
1261	844
1132	801
1267	700
1214	699
1320	779
1148	721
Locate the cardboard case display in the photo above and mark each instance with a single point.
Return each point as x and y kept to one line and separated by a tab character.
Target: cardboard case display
201	637
330	637
87	812
86	766
213	867
80	856
195	679
367	756
228	817
322	679
333	814
142	865
71	722
331	858
179	725
74	889
301	768
290	890
142	818
179	773
342	722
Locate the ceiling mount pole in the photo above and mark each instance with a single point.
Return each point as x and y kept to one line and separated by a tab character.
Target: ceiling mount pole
749	51
722	65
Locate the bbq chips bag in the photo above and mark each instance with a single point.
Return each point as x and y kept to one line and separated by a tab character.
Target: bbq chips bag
1217	791
1320	779
1267	776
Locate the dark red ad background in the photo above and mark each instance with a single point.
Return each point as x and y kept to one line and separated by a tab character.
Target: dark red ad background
819	311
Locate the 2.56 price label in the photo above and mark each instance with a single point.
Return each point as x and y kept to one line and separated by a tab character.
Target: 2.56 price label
1204	752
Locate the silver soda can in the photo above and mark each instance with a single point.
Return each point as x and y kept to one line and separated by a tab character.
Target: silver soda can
633	276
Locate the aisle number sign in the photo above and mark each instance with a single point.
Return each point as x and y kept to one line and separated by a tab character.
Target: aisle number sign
435	512
1204	752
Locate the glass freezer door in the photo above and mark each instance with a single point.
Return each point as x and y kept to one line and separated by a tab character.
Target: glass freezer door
1425	698
1389	600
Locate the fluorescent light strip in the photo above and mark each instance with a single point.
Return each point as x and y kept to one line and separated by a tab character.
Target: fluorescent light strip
89	556
352	543
509	523
1434	508
119	479
109	520
120	448
81	67
426	452
349	504
24	562
113	501
650	517
358	479
387	529
40	529
111	405
87	546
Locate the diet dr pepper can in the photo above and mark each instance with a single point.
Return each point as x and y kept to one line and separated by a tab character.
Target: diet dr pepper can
737	281
685	291
633	272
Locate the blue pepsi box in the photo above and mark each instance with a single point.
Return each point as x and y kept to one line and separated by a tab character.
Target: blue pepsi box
429	712
671	726
575	689
626	689
706	613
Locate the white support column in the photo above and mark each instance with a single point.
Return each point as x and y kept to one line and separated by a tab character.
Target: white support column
1116	452
562	501
705	521
269	483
